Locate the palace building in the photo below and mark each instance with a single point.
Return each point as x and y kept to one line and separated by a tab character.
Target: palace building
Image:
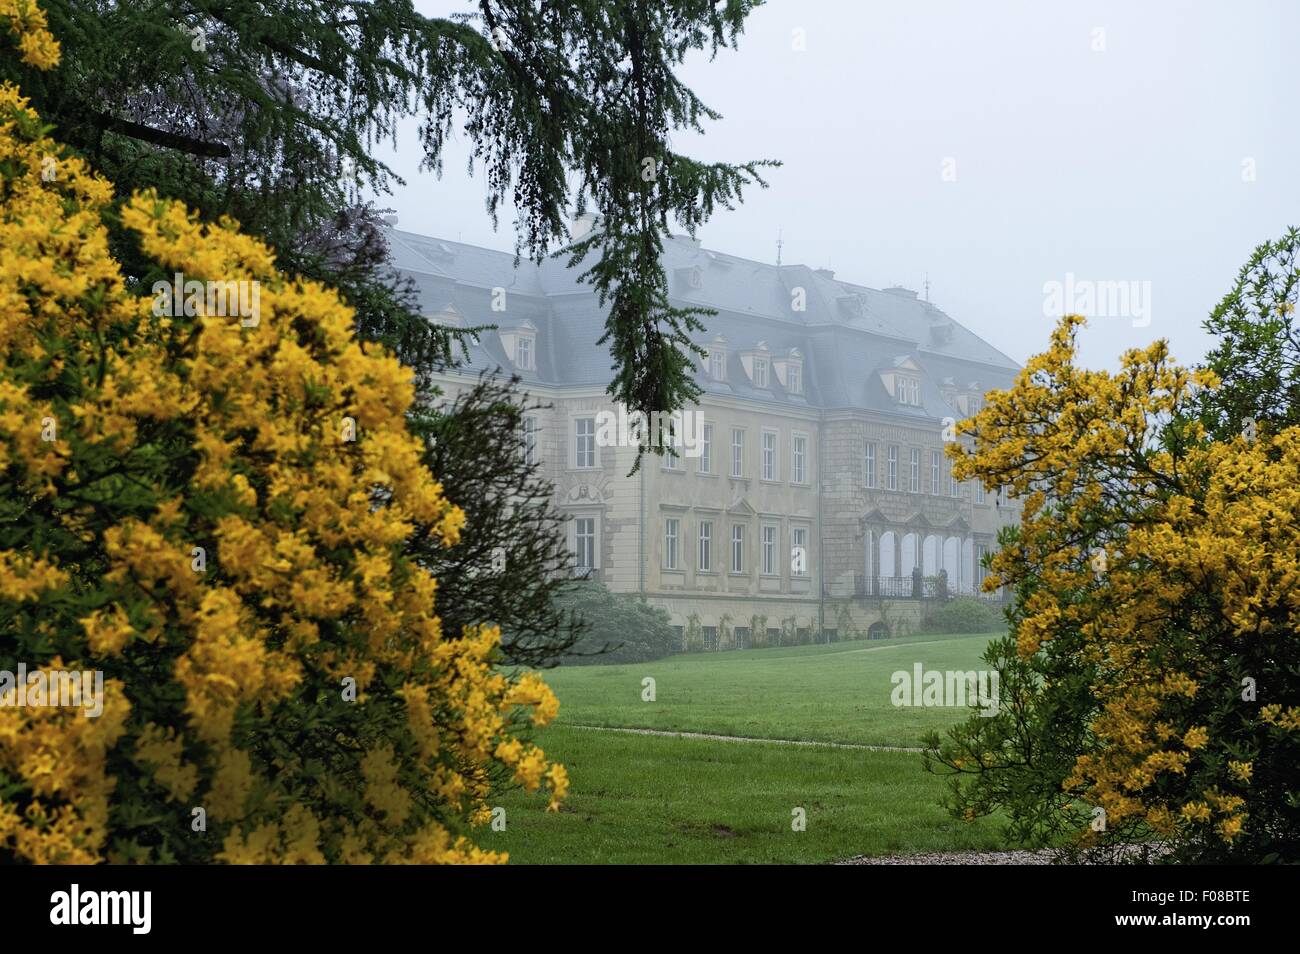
819	486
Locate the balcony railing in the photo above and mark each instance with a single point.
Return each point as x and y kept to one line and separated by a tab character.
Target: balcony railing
914	588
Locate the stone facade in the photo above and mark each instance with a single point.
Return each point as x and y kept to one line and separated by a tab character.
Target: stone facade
842	490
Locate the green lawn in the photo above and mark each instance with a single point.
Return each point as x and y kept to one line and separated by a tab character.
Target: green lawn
663	800
835	693
654	800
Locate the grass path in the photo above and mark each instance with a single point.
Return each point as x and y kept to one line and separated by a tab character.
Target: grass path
745	738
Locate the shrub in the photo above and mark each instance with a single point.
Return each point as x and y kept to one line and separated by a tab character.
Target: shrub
966	614
618	627
1151	691
183	510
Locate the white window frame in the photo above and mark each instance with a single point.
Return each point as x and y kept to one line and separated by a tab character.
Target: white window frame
768	455
706	449
760	372
796	534
738	548
799	458
794	374
524	352
592	539
770	537
704	547
737	452
869	458
579	444
936	471
914	470
717	364
891	472
672	540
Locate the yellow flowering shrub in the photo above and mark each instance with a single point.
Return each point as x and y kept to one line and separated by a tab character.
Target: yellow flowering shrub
211	510
1157	572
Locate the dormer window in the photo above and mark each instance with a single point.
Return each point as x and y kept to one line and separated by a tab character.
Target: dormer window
794	378
789	370
718	365
524	352
718	358
760	372
520	345
907	390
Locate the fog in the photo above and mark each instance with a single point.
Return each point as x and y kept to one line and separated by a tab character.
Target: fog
1004	150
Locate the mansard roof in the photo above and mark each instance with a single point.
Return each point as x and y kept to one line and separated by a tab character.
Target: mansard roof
845	336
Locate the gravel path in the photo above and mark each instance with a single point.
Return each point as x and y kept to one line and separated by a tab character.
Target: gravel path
956	858
741	738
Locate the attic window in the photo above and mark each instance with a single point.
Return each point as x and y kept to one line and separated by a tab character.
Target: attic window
524	352
907	390
794	378
760	372
717	364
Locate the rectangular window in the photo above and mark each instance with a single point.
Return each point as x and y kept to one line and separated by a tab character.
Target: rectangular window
799	551
584	543
528	438
760	372
936	468
952	482
737	549
705	563
706	450
672	460
795	377
671	528
710	636
717	365
524	352
769	551
871	464
979	491
584	443
892	474
914	392
737	452
769	455
799	459
914	471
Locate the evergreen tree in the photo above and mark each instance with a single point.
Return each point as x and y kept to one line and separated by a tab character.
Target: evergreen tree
268	110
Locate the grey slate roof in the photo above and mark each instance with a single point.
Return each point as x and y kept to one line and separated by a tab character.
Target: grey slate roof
847	334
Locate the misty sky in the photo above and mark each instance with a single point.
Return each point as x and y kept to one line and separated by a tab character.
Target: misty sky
1128	163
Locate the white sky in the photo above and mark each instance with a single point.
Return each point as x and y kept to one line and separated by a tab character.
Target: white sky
1118	165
